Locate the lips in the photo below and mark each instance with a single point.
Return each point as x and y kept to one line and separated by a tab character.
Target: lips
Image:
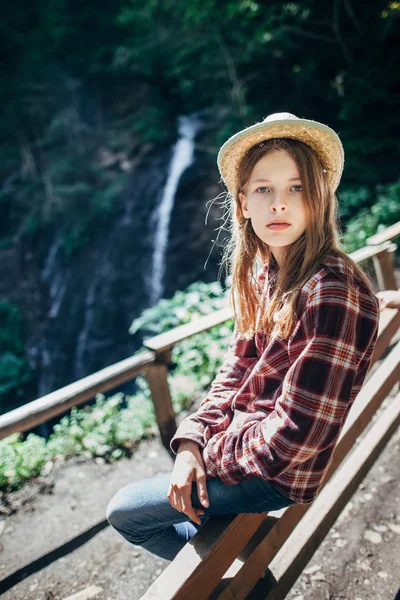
278	225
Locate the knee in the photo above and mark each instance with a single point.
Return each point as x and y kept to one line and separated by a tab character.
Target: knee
118	509
113	512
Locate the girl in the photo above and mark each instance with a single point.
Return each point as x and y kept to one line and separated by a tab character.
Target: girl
306	322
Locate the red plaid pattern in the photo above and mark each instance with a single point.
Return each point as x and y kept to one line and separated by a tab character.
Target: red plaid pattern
277	406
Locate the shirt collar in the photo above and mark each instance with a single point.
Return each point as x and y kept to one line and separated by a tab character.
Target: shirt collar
332	260
271	266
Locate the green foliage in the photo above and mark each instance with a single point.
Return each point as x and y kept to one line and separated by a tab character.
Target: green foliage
104	428
107	429
197	300
14	367
19	461
78	81
10	332
197	358
384	212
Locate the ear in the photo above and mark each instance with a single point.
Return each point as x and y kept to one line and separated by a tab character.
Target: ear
243	204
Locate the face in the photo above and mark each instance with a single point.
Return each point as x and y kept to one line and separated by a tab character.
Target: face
274	193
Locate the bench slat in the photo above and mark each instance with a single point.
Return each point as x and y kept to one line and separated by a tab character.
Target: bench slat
205	558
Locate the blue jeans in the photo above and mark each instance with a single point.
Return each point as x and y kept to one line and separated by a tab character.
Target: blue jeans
142	514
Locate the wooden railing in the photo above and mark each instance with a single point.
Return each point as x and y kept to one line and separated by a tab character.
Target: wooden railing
154	361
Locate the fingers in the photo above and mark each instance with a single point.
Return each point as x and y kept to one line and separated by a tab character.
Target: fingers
180	499
202	490
187	506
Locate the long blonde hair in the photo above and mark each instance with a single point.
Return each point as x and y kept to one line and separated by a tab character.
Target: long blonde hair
244	249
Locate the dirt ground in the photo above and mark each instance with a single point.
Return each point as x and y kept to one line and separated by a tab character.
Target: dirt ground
358	560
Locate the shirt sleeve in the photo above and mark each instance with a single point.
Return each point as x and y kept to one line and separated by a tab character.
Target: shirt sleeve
332	340
215	414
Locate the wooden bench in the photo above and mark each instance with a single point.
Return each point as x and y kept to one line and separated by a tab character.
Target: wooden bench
275	547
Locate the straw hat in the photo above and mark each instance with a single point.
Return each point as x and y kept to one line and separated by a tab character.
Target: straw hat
318	136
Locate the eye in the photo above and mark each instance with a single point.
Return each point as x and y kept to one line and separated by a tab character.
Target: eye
298	186
261	189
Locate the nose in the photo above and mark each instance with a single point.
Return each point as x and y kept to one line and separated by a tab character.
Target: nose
278	202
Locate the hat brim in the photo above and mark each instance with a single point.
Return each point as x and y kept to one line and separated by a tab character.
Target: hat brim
321	138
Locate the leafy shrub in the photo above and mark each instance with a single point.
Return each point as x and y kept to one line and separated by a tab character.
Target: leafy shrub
197	359
19	461
384	212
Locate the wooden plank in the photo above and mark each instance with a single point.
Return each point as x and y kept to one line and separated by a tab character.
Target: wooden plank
168	583
308	535
390	233
367	403
199	566
384	269
369	252
157	378
167	340
40	410
389	323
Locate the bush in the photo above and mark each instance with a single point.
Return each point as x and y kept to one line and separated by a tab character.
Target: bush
384	212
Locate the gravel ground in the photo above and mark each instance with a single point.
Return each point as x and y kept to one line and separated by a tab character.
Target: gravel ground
358	560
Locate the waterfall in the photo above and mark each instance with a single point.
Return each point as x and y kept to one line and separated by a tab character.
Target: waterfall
182	158
56	279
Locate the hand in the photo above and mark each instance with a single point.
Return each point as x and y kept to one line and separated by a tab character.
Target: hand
389	299
188	467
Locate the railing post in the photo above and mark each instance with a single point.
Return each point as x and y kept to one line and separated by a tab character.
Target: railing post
156	376
384	268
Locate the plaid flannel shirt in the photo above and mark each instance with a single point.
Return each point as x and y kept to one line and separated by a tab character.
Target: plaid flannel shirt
277	406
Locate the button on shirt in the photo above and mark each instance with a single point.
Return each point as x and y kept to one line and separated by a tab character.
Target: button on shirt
277	406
